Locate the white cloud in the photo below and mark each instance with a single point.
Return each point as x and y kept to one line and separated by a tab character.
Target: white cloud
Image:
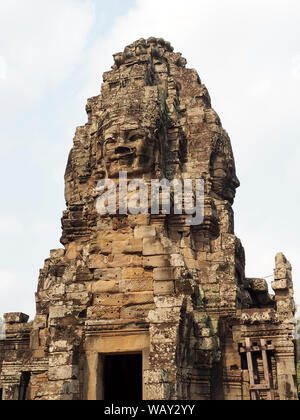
45	227
13	291
296	67
10	227
3	68
8	283
42	42
260	88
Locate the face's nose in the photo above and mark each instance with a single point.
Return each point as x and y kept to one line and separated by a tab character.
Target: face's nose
236	182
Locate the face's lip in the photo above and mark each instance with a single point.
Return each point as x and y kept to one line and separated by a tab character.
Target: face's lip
123	153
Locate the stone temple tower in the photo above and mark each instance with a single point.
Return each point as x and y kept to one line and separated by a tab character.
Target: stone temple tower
147	306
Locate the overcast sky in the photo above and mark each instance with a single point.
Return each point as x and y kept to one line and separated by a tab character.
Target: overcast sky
52	56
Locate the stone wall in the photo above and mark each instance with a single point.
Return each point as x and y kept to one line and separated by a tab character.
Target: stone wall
151	284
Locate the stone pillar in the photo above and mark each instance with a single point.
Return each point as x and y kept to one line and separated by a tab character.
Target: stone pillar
285	349
11	385
16	339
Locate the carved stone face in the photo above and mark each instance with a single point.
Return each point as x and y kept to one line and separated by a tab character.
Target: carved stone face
131	151
224	179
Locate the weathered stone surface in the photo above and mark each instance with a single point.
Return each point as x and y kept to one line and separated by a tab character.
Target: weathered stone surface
161	274
111	286
280	285
150	284
157	261
164	288
142	232
259	285
152	246
136	285
112	274
16	318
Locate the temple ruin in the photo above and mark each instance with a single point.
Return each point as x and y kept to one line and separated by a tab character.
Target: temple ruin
146	306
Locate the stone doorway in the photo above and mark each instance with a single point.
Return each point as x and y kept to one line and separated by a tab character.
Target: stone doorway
24	390
123	377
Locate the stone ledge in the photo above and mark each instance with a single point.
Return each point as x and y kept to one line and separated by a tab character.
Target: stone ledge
16	318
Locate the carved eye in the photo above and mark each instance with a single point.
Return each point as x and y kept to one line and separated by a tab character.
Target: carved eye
136	137
220	173
110	141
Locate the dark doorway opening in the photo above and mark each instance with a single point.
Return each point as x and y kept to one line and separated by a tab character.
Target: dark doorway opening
24	391
123	377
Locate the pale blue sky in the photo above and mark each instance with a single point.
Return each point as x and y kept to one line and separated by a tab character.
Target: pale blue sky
52	56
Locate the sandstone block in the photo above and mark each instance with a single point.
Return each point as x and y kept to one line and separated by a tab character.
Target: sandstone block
71	251
156	261
282	273
259	285
58	291
58	346
35	339
81	298
136	285
76	288
156	391
164	274
58	312
57	253
136	312
103	312
98	261
60	359
113	235
157	376
164	315
130	246
62	372
107	299
110	286
132	273
139	220
285	305
114	261
105	246
142	232
40	321
278	285
152	246
164	287
126	261
70	388
108	274
168	302
16	318
205	332
138	298
177	260
207	344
